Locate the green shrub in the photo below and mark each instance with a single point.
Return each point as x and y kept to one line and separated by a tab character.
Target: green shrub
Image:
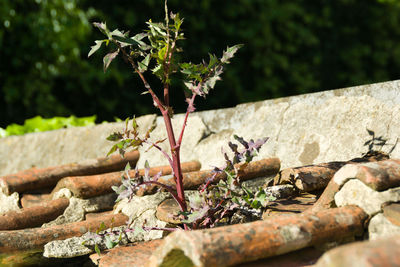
39	124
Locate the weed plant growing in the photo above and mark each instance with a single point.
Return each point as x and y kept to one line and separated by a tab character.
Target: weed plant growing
154	51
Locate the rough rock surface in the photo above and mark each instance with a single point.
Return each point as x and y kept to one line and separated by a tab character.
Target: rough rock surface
380	227
9	202
77	208
355	192
61	146
307	129
142	210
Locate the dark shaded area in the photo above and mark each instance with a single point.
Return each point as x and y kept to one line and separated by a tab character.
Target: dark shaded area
290	48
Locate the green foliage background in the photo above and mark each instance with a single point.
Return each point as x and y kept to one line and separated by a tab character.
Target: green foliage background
291	47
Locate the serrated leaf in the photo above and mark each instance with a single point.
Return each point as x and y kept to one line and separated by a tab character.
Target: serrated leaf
144	64
196	215
229	53
117	33
157	28
95	47
158	71
138	37
109	58
177	21
103	28
125	40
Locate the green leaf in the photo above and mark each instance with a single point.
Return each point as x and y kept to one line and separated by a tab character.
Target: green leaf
158	71
112	150
146	165
95	47
127	121
177	21
96	248
229	53
109	243
157	28
109	58
101	227
103	28
127	167
143	65
114	137
126	40
138	230
117	33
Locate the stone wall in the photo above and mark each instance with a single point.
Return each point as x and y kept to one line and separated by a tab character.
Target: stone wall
304	129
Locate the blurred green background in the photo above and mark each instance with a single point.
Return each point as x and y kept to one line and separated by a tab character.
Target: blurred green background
291	47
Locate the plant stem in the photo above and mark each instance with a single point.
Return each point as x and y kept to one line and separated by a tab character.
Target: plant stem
175	153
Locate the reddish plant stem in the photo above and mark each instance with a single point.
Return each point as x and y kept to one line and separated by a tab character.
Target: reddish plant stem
168	188
185	120
175	150
175	153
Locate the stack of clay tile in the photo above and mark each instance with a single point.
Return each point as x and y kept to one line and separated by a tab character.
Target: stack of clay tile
297	240
294	231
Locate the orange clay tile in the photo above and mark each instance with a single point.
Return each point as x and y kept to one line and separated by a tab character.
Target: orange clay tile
264	167
392	213
308	178
95	185
96	215
379	175
314	177
381	252
133	255
35	178
34	239
29	200
303	257
235	244
33	216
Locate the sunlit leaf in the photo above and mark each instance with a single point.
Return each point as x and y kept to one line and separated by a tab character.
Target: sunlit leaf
109	58
143	65
95	47
103	28
125	40
114	137
112	150
229	53
96	248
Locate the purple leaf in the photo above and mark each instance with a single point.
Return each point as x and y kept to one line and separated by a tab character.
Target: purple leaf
241	141
258	144
157	176
191	107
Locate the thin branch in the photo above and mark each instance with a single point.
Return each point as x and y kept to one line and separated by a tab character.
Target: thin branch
162	151
191	101
168	188
160	228
146	84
